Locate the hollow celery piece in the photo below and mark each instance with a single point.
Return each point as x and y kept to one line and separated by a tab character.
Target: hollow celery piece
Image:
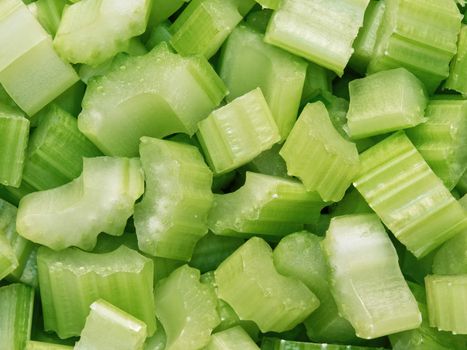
161	10
100	200
124	105
247	62
409	198
269	162
317	82
172	215
231	339
38	345
282	344
265	205
322	32
109	328
457	80
250	284
48	13
236	133
187	309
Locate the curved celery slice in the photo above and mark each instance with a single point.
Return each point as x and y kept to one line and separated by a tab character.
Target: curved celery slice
100	200
38	345
231	339
71	280
186	309
281	344
236	133
248	281
457	80
172	215
126	103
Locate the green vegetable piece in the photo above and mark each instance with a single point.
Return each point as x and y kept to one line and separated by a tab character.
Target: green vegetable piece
282	344
451	258
231	339
157	341
457	80
352	203
269	162
317	82
38	345
162	10
269	4
8	260
159	33
462	184
258	20
48	13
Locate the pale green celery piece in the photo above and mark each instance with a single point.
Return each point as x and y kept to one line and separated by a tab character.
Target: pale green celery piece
317	82
258	20
385	101
265	205
161	10
93	31
269	4
235	338
236	133
451	258
282	344
337	108
352	203
310	267
409	198
247	62
319	156
320	31
250	284
269	162
16	303
71	280
125	104
187	309
442	139
419	35
109	328
160	33
100	200
48	13
365	278
38	345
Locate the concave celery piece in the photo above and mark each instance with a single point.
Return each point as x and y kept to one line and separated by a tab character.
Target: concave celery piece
235	338
265	205
409	198
236	133
48	13
160	33
319	156
71	280
161	10
247	62
419	35
187	309
351	203
457	80
451	258
250	284
385	101
100	200
269	162
16	303
442	139
109	328
320	31
172	216
317	82
38	345
258	20
366	281
282	344
128	102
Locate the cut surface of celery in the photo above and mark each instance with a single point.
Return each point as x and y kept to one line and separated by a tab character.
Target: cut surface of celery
231	339
457	80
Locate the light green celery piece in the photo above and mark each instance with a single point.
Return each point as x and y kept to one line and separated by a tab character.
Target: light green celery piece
92	31
269	162
38	345
125	104
385	101
317	81
161	10
71	280
447	301
109	328
419	35
16	303
265	205
457	80
172	216
250	284
366	281
247	62
442	139
235	338
352	203
8	260
100	200
258	20
451	258
337	109
269	4
320	31
409	198
48	13
319	156
29	274
187	309
282	344
160	33
236	133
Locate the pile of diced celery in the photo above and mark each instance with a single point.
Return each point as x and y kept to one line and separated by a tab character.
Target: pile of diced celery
233	174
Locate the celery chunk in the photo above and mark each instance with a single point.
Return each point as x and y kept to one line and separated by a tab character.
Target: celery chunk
231	339
39	345
457	80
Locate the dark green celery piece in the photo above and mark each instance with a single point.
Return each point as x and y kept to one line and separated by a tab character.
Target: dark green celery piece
457	80
236	133
71	280
187	309
48	13
159	33
317	82
247	62
415	269
269	162
462	184
320	31
409	198
125	104
161	10
235	338
281	344
250	284
13	194
265	205
352	203
258	20
38	345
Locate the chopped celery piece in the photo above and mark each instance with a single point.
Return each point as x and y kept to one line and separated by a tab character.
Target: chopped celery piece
320	31
71	280
100	200
162	10
236	133
265	205
70	100
231	339
258	20
331	162
457	80
190	326
269	4
247	62
172	215
385	101
451	258
14	194
337	108
38	345
125	104
366	280
462	184
281	344
269	162
413	268
109	328
158	340
159	33
8	260
317	82
352	203
48	13
409	198
249	282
